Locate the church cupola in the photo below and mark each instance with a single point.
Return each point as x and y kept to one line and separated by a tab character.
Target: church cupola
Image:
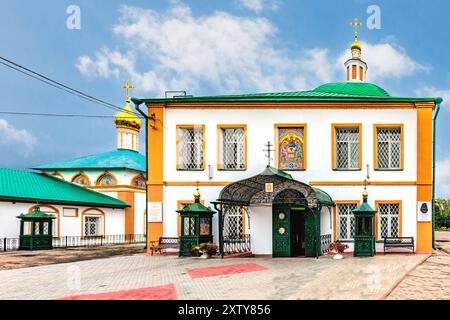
128	125
355	67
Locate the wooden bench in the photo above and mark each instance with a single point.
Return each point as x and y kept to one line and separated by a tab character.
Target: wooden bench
398	242
163	244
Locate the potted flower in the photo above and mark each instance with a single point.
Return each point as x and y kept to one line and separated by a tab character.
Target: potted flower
207	249
338	249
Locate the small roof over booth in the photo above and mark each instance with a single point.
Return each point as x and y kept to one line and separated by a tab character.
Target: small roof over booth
285	189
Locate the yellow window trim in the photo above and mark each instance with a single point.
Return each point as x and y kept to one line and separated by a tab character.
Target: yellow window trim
190	126
276	142
377	203
402	144
333	142
357	202
219	146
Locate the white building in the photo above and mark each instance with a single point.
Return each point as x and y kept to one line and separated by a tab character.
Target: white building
333	138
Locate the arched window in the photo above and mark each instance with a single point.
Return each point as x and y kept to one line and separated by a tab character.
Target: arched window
58	175
81	179
93	223
106	179
139	181
53	211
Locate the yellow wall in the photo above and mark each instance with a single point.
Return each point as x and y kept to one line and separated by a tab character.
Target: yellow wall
424	172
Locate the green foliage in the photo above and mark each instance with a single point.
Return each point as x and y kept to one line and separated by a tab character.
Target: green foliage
442	214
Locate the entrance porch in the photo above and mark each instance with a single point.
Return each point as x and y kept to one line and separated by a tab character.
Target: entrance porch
273	214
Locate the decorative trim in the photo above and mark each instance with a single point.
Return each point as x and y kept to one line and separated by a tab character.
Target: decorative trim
361	183
66	216
190	126
305	143
402	145
81	173
219	146
140	176
333	142
103	175
286	105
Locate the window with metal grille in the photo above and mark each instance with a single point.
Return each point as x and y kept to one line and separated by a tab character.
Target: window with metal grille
232	149
190	148
92	226
388	220
233	223
345	221
347	148
389	148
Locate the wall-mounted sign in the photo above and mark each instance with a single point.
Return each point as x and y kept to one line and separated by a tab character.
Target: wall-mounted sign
424	211
269	187
154	212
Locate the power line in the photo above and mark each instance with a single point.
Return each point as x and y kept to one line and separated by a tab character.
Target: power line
54	115
58	85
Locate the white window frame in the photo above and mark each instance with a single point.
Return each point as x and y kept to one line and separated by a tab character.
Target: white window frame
182	163
390	147
348	142
350	217
390	218
99	226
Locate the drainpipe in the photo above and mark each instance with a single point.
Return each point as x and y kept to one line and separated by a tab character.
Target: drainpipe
137	103
436	114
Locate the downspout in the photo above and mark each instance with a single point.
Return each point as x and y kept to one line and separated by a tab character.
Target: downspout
137	103
433	216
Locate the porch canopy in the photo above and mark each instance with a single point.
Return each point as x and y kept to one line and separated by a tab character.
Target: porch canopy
286	190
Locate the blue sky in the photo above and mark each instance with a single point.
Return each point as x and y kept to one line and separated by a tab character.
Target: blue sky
241	45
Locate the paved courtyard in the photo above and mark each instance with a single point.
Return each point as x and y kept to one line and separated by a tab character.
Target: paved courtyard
169	277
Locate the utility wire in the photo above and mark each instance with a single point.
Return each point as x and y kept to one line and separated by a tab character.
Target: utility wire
37	76
54	115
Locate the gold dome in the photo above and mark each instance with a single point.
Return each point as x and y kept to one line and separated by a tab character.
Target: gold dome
356	45
127	118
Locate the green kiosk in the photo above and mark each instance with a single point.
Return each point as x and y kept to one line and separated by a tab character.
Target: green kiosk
364	229
196	225
36	230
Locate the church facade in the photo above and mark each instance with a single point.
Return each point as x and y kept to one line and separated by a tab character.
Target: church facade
329	143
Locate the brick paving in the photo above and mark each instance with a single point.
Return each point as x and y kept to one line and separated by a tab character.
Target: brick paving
430	280
224	270
284	278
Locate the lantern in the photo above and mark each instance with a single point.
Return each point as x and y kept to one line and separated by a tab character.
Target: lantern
36	230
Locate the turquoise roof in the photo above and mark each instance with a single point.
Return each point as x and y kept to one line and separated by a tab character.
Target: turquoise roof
323	197
118	159
17	185
345	91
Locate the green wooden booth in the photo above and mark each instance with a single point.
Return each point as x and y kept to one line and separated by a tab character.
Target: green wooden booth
364	238
36	230
196	225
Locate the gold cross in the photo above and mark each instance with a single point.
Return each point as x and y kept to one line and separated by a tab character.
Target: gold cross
356	24
128	87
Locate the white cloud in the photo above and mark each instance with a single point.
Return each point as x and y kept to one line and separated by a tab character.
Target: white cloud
175	50
443	178
433	92
385	60
260	5
9	135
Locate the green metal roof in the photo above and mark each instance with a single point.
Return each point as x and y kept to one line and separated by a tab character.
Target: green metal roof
118	159
323	197
269	171
36	214
360	92
364	208
17	185
196	207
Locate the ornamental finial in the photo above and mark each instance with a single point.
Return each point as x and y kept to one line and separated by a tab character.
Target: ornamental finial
127	87
197	193
356	24
365	193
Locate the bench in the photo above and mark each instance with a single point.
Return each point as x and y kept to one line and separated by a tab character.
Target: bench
398	242
163	244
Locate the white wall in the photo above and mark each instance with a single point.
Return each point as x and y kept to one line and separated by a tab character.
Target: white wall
260	129
261	230
69	226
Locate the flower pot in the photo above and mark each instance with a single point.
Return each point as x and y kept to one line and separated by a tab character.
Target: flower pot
205	256
338	256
